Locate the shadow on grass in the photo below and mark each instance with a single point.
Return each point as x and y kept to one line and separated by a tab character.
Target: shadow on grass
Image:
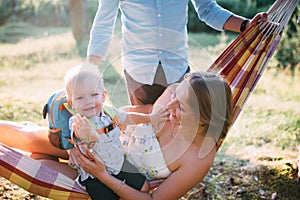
233	178
15	30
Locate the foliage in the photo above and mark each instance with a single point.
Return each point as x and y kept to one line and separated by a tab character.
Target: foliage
13	31
5	10
246	8
288	53
92	7
42	12
46	12
194	24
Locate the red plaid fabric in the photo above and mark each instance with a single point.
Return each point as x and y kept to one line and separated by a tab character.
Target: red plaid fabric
36	177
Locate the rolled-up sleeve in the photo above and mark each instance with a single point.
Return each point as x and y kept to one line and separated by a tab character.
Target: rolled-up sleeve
211	13
103	27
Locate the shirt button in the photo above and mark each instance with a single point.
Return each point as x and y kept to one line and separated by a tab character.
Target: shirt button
159	15
160	52
160	35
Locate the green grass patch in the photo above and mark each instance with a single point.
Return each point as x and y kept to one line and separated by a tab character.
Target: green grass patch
206	39
14	31
20	110
24	45
263	127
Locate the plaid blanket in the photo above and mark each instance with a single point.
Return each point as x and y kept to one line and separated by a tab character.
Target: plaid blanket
36	177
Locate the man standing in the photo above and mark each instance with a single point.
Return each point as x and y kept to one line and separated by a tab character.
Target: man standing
154	40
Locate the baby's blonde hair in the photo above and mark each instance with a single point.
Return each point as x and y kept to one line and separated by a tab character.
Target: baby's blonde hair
79	73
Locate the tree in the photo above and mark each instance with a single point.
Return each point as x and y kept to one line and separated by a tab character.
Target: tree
7	9
288	53
80	23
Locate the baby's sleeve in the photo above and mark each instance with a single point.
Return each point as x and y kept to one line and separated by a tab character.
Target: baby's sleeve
121	115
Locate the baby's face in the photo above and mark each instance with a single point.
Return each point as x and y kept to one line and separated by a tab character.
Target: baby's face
88	97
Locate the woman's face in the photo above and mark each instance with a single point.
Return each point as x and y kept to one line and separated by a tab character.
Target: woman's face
179	107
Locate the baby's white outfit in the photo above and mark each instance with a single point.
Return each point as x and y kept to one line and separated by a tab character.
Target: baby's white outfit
107	147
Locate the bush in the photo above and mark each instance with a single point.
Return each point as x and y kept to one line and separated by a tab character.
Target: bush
288	51
46	12
246	8
5	10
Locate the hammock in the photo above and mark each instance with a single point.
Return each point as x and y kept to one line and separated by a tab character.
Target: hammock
245	59
241	64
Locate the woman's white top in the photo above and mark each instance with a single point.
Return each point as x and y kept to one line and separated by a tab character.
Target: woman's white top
142	149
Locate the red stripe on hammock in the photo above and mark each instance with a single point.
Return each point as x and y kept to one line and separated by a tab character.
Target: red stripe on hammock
12	167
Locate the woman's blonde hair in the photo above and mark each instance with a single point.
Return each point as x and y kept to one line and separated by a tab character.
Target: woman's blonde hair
80	73
210	96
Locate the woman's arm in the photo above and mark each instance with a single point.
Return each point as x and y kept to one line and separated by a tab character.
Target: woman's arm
183	179
189	173
97	169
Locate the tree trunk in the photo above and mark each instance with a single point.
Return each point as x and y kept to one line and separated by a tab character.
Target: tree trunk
80	23
298	165
15	5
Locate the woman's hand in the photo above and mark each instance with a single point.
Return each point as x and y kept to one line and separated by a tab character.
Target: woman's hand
94	166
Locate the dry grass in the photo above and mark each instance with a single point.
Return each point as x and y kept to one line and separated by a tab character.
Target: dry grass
264	138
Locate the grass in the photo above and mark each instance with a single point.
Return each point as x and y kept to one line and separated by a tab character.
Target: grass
256	161
272	114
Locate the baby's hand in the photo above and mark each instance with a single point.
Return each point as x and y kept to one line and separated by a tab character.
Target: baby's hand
157	117
82	127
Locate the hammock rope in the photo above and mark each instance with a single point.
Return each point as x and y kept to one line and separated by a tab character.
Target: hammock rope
246	58
241	64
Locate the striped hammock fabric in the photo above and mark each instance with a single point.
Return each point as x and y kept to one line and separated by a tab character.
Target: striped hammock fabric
241	64
245	59
36	177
